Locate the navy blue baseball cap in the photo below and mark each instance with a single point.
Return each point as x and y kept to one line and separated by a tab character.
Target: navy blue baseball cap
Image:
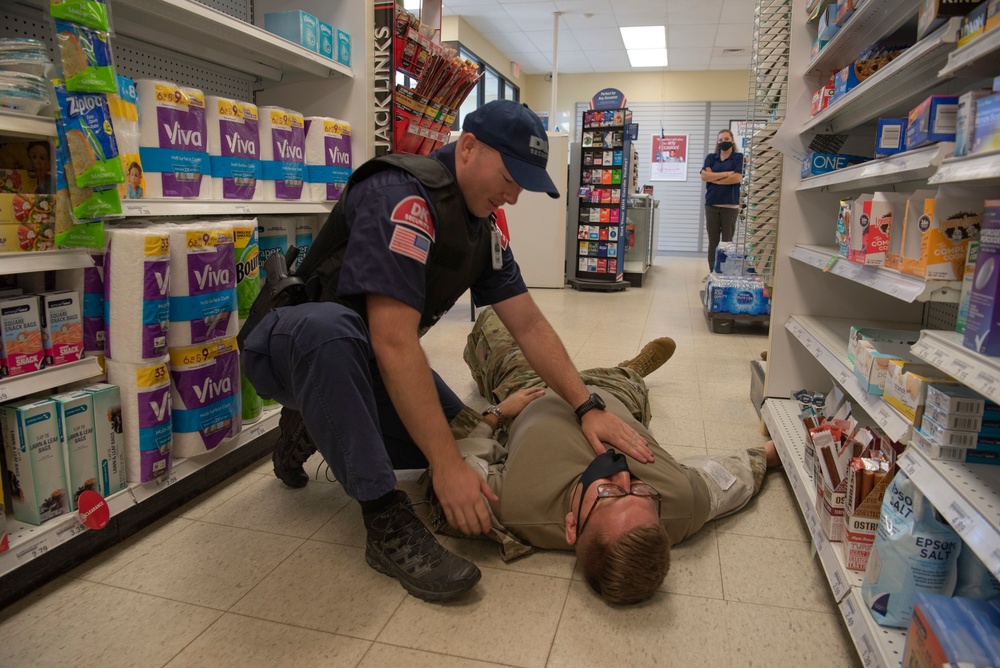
517	133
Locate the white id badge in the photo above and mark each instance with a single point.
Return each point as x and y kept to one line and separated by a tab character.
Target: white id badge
497	248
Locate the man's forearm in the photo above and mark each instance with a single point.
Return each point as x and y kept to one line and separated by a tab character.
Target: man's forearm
732	179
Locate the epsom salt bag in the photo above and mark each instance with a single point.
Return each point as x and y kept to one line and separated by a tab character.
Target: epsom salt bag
913	552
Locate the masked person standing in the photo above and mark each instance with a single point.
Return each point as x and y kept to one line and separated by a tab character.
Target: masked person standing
408	237
721	173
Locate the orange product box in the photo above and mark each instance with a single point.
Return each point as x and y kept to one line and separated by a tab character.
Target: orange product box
936	236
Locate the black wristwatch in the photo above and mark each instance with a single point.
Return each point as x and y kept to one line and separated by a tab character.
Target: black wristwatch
594	401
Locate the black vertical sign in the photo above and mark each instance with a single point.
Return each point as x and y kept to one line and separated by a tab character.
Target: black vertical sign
385	25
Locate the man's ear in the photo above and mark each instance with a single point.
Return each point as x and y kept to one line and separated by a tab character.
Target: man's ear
466	144
570	528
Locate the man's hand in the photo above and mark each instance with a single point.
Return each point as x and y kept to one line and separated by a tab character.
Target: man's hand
460	490
512	406
605	427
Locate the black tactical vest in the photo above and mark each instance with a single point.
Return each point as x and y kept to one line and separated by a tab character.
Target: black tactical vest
459	255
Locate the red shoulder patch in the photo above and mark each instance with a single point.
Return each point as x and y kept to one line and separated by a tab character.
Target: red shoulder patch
413	212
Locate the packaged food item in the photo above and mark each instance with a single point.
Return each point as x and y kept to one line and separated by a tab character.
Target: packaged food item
933	120
890	137
87	65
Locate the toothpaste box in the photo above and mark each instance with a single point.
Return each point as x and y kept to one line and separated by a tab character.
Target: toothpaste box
62	327
937	242
982	329
871	226
75	411
108	438
955	399
21	335
955	420
965	121
906	387
986	136
952	438
326	40
35	466
932	120
295	26
968	275
821	163
890	138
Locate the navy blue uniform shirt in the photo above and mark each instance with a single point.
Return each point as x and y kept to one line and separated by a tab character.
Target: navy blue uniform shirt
723	194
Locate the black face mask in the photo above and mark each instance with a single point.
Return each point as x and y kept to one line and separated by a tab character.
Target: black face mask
725	145
604	466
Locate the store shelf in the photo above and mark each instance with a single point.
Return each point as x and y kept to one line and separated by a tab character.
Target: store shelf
902	286
976	59
826	339
166	207
28	542
979	169
967	495
877	646
13	124
917	165
46	379
189	27
900	84
945	351
872	21
53	260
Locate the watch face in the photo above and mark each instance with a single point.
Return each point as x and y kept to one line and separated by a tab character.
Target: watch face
598	402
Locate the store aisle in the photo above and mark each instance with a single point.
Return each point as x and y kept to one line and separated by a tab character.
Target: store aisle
253	573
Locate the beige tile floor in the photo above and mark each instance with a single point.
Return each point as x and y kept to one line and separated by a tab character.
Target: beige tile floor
255	574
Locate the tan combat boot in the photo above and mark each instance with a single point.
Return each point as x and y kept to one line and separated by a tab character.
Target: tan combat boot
651	357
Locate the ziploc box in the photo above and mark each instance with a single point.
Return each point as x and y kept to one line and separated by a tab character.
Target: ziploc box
932	120
982	329
62	327
35	465
295	26
890	138
21	334
108	437
859	335
75	411
821	163
986	136
871	225
949	220
906	387
325	40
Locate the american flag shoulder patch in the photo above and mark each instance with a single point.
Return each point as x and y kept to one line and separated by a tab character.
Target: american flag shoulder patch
407	242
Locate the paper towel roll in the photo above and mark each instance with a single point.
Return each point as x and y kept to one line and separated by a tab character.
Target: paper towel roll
234	148
125	120
247	248
172	134
303	237
275	234
146	417
136	293
328	157
205	396
282	153
202	284
93	305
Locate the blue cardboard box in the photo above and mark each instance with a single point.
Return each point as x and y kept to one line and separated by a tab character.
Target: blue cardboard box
890	138
295	26
986	136
326	40
828	23
821	163
844	81
343	48
933	120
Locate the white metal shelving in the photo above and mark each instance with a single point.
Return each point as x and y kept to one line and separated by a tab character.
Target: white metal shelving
907	78
945	351
13	124
51	260
902	286
876	645
871	21
49	377
916	165
28	542
195	207
826	339
977	58
978	169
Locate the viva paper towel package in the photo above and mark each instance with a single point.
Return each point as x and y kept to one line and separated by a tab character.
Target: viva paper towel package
35	468
146	417
109	437
202	284
125	117
75	412
247	289
205	399
328	157
93	305
136	293
282	153
172	140
234	149
914	552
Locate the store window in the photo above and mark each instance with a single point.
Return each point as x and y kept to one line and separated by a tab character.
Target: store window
492	85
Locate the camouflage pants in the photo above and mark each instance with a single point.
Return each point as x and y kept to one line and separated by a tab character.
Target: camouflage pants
500	369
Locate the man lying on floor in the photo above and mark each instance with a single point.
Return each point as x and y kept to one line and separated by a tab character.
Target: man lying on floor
620	516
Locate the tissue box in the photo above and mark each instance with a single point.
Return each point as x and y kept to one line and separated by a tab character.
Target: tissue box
326	40
982	329
343	48
937	242
890	138
108	437
821	163
906	387
934	13
933	120
20	336
986	136
861	335
295	26
35	465
965	121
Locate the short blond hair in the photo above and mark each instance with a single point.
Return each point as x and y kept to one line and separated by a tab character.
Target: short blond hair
629	570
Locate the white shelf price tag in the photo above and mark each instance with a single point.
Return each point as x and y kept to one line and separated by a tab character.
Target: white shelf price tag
256	431
908	466
4	393
986	384
996	563
839	586
882	415
850	612
960	369
243	208
958	518
867	650
69	531
33	550
167	480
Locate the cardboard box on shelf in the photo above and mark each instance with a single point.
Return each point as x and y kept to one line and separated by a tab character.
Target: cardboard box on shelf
844	228
965	122
936	243
845	8
982	329
862	507
109	437
871	364
817	46
986	135
992	15
871	226
821	163
62	327
954	438
973	25
831	460
21	348
821	99
860	335
326	38
35	465
890	138
906	387
828	23
934	13
75	412
956	399
933	120
296	26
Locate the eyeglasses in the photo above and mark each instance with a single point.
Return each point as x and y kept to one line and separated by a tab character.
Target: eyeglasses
609	489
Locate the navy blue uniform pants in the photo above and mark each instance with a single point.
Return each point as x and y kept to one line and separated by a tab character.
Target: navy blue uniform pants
317	358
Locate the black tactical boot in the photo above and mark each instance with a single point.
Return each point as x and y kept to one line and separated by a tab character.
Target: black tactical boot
292	449
400	546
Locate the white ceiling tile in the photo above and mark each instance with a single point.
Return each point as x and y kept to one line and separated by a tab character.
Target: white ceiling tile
542	39
734	34
694	12
616	58
491	21
738	63
573	59
577	20
738	11
595	38
585	6
515	41
690	35
689	56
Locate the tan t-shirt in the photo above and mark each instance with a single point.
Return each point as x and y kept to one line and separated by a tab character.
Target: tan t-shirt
546	455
